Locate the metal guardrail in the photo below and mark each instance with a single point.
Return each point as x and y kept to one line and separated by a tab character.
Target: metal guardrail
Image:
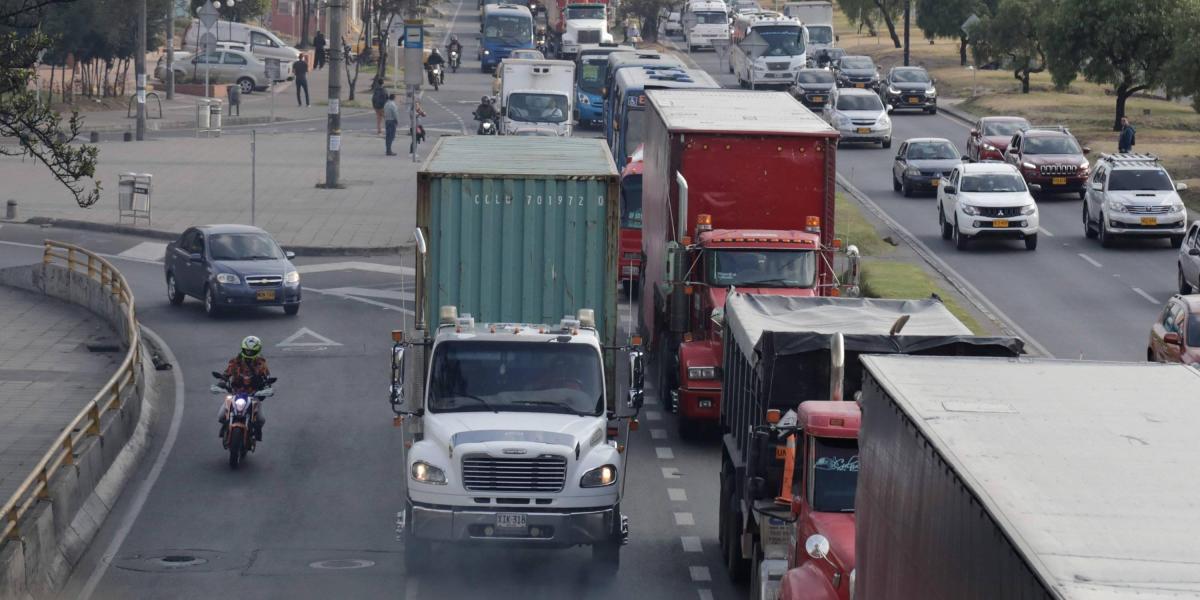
36	486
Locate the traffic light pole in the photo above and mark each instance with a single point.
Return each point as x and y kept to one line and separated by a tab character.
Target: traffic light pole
907	23
333	126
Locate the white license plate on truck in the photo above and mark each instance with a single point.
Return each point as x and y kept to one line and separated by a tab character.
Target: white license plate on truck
510	520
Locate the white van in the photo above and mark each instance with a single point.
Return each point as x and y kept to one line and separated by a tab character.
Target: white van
262	43
705	22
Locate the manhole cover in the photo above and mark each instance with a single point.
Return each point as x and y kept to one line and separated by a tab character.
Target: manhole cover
342	563
176	561
180	560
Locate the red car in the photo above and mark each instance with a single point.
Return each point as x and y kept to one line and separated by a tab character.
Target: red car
990	136
1175	335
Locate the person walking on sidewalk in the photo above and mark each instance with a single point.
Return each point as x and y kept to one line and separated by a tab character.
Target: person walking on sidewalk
1127	140
391	118
319	51
300	68
379	98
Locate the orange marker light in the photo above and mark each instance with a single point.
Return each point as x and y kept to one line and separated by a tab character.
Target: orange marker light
397	335
773	416
837	243
837	422
636	341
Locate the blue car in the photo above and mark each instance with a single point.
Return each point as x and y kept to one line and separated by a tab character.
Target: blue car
231	266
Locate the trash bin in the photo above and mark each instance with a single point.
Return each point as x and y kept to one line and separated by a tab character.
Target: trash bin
202	120
133	196
214	112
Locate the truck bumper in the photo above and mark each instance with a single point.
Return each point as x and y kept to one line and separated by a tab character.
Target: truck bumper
543	528
700	404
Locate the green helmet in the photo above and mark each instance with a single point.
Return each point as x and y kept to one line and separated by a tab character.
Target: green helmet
251	347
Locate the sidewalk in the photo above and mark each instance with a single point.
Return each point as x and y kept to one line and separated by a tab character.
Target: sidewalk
47	375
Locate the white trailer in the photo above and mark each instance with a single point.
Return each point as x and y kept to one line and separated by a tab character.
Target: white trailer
537	97
817	17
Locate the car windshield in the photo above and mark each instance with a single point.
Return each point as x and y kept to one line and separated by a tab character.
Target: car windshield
932	151
910	76
635	128
834	474
993	183
243	246
859	102
1051	145
591	75
711	18
1151	180
1004	128
820	34
512	29
471	376
762	268
857	62
781	40
631	202
537	108
674	17
821	76
1193	331
594	11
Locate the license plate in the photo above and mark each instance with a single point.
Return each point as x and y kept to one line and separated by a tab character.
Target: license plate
860	85
510	520
1000	223
936	182
265	295
914	100
818	98
1058	181
1149	220
864	130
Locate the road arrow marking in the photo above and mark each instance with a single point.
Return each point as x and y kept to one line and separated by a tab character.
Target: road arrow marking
291	341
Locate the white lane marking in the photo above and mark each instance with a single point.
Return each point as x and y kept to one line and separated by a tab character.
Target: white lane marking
705	594
670	473
677	494
383	305
1090	260
1143	294
373	293
664	453
151	251
1043	231
684	519
700	573
653	415
143	491
691	543
318	339
462	125
658	434
356	265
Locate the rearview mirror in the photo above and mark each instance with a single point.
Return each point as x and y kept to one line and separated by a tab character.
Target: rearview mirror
966	158
289	254
396	396
196	257
637	379
1194	252
950	190
1033	187
974	132
1172	339
1181	187
890	108
1099	187
817	546
1087	150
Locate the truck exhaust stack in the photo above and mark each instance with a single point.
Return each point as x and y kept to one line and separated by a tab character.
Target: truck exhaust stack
837	370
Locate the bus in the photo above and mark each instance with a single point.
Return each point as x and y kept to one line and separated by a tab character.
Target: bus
505	27
629	102
622	60
591	66
767	50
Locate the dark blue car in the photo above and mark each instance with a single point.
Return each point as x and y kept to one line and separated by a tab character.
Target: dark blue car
230	266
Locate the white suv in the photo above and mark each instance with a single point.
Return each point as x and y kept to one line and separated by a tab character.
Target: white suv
1132	195
986	200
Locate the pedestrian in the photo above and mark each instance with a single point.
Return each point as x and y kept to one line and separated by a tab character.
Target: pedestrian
391	118
418	135
300	69
379	97
319	49
1127	140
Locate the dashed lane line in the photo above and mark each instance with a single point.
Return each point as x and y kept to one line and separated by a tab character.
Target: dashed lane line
705	594
664	453
658	434
677	494
700	573
1090	260
691	543
685	519
1043	231
653	415
1142	293
670	473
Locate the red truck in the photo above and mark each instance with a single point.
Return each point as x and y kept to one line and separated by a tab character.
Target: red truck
738	192
630	261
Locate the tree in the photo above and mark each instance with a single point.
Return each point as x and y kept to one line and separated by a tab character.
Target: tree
945	18
646	12
889	11
1124	44
1185	65
860	12
37	129
1014	35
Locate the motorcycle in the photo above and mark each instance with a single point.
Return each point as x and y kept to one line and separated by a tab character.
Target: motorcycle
240	414
436	76
454	61
486	126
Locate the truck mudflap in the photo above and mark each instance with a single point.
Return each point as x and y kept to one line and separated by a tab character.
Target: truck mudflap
541	528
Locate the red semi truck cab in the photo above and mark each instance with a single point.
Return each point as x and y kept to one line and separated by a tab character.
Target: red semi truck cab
630	262
738	192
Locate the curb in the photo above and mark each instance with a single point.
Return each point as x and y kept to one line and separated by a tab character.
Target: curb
170	236
961	115
154	125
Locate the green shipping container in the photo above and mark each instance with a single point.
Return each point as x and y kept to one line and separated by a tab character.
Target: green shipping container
521	229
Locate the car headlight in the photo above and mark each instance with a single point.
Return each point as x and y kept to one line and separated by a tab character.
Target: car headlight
702	372
291	277
1085	164
486	52
1115	206
1029	165
884	121
228	278
599	477
968	209
989	147
841	120
912	171
931	92
1177	208
426	473
892	90
1029	209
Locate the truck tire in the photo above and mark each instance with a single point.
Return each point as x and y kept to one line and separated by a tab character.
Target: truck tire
666	369
606	555
736	564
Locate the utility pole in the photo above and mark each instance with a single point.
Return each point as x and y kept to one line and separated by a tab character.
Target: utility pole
171	50
140	70
907	23
333	128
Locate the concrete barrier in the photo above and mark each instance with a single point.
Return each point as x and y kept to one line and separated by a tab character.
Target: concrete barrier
52	534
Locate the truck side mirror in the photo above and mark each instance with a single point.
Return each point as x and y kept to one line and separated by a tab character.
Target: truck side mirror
817	546
637	379
396	396
196	257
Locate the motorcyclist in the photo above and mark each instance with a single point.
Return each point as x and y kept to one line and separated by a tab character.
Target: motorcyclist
454	46
484	112
246	373
435	58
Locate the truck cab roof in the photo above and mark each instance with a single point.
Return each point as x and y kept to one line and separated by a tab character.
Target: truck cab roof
830	419
519	332
784	239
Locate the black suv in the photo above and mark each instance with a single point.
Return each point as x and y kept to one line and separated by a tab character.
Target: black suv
856	72
812	87
909	87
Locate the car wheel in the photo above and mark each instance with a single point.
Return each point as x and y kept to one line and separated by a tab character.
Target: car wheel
932	111
291	309
1031	242
947	232
1088	231
1150	355
1082	194
210	302
1106	238
906	189
173	293
731	68
1176	241
960	239
1185	288
885	144
246	84
896	185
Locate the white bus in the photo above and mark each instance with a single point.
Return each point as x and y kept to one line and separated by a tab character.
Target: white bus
704	22
767	50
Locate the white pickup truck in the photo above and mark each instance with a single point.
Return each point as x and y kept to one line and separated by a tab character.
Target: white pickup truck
537	97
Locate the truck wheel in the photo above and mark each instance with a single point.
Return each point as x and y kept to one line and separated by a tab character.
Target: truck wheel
687	427
960	239
607	558
756	574
735	563
723	508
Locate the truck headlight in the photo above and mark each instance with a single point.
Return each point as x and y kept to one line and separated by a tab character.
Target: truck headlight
702	372
486	52
1028	209
584	100
968	209
228	278
1115	206
291	277
1177	208
599	477
427	473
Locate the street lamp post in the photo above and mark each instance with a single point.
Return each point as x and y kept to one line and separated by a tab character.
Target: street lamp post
333	125
140	71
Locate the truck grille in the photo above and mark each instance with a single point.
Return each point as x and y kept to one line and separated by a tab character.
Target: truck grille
1059	169
545	473
589	36
263	280
999	211
1147	210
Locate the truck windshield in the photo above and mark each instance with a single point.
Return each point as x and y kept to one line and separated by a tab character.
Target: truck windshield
509	29
762	268
782	40
593	11
834	474
631	202
591	76
472	376
537	108
711	18
820	34
635	125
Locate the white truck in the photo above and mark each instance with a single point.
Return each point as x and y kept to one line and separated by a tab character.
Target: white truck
817	18
767	50
537	97
705	23
584	24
